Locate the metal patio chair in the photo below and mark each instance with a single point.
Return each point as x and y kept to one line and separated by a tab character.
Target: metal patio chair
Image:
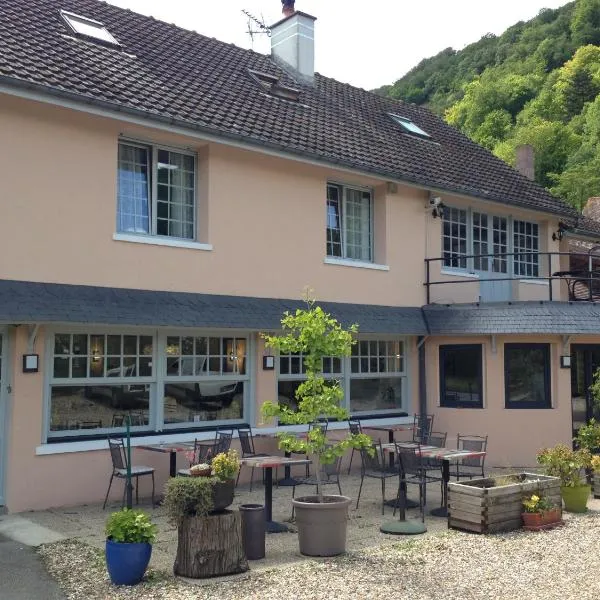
355	428
248	450
375	467
204	451
471	467
119	463
423	426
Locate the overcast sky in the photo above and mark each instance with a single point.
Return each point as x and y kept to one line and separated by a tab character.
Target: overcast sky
366	43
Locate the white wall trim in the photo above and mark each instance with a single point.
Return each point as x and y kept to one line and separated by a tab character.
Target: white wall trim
460	274
160	241
535	281
95	445
341	262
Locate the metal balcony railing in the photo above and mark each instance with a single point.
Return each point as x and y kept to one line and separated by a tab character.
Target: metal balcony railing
582	278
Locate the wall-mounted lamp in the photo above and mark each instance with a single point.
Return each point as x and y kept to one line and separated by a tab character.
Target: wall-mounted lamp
565	362
437	206
560	232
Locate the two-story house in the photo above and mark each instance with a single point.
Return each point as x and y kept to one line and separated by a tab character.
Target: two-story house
166	196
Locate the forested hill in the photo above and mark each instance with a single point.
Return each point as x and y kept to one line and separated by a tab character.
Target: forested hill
538	83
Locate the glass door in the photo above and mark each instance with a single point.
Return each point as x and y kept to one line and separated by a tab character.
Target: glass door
585	359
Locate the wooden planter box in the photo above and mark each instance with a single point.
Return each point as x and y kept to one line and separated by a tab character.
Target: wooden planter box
596	485
481	506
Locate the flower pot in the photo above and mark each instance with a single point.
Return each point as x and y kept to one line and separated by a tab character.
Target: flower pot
127	563
541	520
575	498
223	492
322	525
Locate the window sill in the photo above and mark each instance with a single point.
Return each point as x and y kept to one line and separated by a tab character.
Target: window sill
341	262
160	241
459	274
535	281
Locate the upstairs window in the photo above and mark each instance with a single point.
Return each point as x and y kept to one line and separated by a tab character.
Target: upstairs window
156	191
526	242
454	238
349	223
88	28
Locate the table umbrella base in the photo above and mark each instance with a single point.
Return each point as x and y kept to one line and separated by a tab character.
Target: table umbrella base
275	527
395	503
403	527
441	511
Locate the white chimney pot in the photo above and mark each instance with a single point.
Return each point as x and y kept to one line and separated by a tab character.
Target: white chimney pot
293	44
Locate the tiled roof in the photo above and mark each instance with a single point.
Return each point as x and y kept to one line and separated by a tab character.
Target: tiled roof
184	78
33	302
564	318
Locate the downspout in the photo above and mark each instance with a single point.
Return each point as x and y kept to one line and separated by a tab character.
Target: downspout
422	376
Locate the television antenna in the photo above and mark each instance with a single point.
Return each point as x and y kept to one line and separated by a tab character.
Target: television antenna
256	26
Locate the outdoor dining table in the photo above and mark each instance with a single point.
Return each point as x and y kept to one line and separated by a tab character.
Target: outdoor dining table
446	455
268	463
172	449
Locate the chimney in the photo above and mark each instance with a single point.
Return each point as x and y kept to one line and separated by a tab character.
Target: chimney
293	42
525	161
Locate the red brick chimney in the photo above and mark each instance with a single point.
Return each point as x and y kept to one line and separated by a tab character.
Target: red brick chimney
288	8
525	162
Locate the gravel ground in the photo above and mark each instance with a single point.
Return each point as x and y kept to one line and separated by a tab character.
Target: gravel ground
559	564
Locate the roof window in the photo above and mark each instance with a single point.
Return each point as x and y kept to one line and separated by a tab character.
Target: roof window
274	87
88	28
409	125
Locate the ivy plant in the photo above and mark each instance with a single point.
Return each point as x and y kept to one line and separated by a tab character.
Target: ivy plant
317	335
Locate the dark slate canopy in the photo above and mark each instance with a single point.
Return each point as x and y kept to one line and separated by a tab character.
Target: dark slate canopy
168	74
32	302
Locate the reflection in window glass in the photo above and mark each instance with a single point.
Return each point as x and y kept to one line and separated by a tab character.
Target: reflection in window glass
375	393
460	375
527	375
188	357
89	407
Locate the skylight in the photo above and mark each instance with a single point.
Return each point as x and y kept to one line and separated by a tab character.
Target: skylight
409	125
88	28
274	87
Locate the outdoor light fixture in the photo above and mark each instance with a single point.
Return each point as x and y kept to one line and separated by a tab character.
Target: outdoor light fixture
31	363
438	211
560	232
268	362
565	362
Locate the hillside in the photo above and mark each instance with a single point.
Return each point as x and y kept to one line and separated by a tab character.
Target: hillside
537	83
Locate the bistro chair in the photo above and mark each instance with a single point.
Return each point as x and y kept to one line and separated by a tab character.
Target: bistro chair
411	471
471	467
203	453
423	426
248	451
322	425
434	465
223	441
375	467
119	464
329	475
355	428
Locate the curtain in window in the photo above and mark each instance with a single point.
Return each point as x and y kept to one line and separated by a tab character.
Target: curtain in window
133	185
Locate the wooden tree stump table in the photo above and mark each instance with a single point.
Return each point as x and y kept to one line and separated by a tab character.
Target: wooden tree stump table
210	546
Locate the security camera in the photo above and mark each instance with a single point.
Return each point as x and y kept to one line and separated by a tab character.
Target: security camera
435	200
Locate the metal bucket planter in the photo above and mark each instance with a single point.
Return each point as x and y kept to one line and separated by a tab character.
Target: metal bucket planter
322	525
483	506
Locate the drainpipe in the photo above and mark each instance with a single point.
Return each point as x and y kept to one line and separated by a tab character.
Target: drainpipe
422	376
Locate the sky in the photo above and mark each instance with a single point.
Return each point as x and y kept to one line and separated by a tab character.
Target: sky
367	44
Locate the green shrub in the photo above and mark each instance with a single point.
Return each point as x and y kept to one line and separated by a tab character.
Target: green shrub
130	527
188	496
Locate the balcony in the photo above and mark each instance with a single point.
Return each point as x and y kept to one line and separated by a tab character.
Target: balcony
514	277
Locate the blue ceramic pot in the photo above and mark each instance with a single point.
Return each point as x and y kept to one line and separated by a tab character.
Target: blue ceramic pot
127	563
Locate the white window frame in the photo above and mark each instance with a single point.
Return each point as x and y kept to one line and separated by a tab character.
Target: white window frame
346	375
511	270
156	381
343	212
153	150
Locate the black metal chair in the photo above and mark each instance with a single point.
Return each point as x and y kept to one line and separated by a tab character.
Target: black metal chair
329	475
355	428
204	451
411	471
322	425
248	450
471	467
119	463
223	441
423	426
375	467
434	465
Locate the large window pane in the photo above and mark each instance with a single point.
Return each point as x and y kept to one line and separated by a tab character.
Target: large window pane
460	376
454	238
133	185
194	402
527	375
86	408
375	394
526	248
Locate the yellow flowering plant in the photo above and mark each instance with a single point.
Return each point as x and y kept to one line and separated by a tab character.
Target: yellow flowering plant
537	504
226	465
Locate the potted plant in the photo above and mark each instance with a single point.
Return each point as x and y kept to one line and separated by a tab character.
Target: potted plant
567	464
321	520
129	537
209	538
539	512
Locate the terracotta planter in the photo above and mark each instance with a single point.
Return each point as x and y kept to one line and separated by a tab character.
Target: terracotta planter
322	525
541	520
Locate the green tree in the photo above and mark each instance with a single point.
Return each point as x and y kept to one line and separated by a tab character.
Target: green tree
317	335
585	24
